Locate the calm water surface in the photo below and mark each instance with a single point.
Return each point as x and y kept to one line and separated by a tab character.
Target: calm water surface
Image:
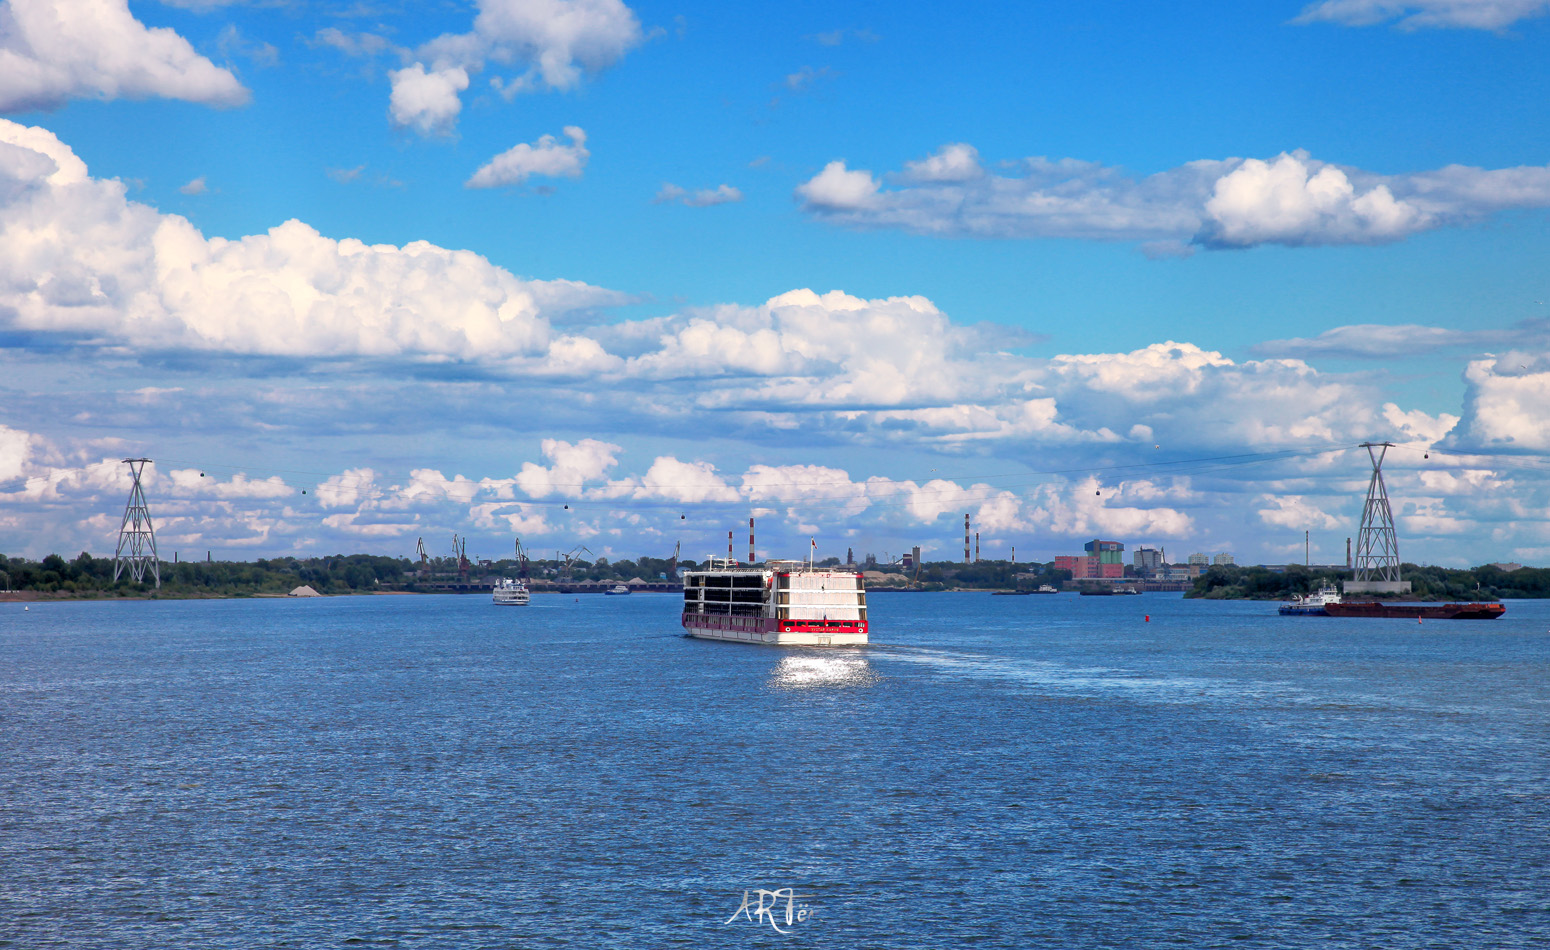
1007	772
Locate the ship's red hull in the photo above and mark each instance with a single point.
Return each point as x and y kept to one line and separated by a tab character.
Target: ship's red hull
833	633
1416	611
771	625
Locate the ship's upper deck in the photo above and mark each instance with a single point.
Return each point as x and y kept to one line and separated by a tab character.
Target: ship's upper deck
726	565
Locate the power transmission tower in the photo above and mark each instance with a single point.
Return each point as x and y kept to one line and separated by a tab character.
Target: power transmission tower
1377	545
136	534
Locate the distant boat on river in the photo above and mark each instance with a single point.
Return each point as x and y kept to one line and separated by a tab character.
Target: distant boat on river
1312	605
510	593
1327	602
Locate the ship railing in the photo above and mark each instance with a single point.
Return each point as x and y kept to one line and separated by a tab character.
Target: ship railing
729	564
780	565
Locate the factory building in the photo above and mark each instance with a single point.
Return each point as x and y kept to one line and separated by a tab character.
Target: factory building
1079	566
1107	552
1103	560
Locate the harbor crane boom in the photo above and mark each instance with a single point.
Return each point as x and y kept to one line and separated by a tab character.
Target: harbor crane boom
521	561
570	559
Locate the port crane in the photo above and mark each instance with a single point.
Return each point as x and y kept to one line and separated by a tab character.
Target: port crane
424	559
672	563
570	559
460	554
521	561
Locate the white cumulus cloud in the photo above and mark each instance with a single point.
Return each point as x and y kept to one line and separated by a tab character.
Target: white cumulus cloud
675	480
52	51
551	43
956	162
196	482
426	101
77	256
1286	201
829	348
838	189
1417	14
1506	405
351	488
546	157
1291	199
1296	512
571	468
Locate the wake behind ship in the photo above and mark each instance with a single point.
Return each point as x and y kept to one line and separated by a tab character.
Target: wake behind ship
783	603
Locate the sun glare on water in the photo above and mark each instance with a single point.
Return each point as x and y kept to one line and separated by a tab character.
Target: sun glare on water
806	671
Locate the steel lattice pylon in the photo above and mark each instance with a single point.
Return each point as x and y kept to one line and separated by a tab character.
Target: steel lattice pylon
1377	546
136	534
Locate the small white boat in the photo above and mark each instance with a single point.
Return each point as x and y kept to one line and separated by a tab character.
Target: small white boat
511	593
617	589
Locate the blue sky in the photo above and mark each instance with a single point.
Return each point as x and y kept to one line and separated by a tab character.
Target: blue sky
611	274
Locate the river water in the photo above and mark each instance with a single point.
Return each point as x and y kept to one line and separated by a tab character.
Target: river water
1007	772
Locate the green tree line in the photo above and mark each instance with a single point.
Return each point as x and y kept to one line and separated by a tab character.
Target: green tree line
86	574
1427	582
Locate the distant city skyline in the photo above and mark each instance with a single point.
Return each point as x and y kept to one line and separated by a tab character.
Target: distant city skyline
622	275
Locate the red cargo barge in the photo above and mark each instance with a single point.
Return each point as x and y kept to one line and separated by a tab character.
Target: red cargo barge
1481	611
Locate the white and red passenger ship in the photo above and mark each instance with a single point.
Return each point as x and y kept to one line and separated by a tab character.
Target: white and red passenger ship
783	603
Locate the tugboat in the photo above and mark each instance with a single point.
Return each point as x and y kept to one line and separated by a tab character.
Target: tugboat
1315	604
